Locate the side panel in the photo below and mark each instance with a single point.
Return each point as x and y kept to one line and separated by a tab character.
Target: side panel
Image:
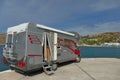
34	48
64	53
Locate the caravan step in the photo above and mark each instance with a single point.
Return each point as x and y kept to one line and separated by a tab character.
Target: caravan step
48	70
47	67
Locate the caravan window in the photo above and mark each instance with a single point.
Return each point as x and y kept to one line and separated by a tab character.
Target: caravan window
68	42
9	40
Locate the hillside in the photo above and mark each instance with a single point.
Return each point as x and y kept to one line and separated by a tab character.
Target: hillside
2	39
98	39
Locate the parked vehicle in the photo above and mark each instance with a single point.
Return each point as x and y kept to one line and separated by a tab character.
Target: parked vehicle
31	46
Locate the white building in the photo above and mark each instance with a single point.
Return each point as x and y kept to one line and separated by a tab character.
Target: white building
112	44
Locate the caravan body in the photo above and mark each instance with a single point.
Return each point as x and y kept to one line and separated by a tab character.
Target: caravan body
32	46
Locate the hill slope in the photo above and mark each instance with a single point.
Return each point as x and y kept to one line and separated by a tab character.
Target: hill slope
2	39
98	39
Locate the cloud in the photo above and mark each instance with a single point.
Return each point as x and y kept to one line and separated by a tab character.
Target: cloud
100	5
97	28
51	12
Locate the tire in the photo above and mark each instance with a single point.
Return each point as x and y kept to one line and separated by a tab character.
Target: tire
54	67
78	59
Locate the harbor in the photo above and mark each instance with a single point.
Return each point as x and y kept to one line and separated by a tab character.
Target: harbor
87	69
60	40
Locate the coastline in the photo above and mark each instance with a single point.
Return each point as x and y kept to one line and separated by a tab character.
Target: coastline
5	71
85	45
89	46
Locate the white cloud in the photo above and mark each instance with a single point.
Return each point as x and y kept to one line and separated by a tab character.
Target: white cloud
97	28
54	11
51	11
100	5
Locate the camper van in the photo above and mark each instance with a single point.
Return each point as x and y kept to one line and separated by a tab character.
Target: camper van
31	46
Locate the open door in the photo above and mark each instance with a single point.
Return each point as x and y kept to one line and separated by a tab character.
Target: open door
49	51
46	48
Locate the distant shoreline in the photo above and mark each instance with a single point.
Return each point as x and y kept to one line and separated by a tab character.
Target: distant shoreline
2	44
90	45
84	45
5	71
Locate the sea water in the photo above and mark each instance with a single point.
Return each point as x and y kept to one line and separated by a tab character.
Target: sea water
2	65
86	52
99	52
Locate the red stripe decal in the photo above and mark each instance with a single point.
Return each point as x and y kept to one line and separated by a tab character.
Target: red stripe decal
34	39
76	51
34	55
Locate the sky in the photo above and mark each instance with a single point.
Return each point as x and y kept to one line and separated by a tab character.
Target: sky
83	16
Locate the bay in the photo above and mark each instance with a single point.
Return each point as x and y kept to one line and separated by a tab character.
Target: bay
99	52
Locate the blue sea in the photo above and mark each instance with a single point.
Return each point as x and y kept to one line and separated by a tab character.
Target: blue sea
86	52
2	65
100	52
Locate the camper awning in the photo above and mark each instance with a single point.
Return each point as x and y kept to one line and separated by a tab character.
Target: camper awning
55	30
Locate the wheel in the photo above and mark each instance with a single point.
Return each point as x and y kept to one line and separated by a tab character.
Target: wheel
54	67
78	59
